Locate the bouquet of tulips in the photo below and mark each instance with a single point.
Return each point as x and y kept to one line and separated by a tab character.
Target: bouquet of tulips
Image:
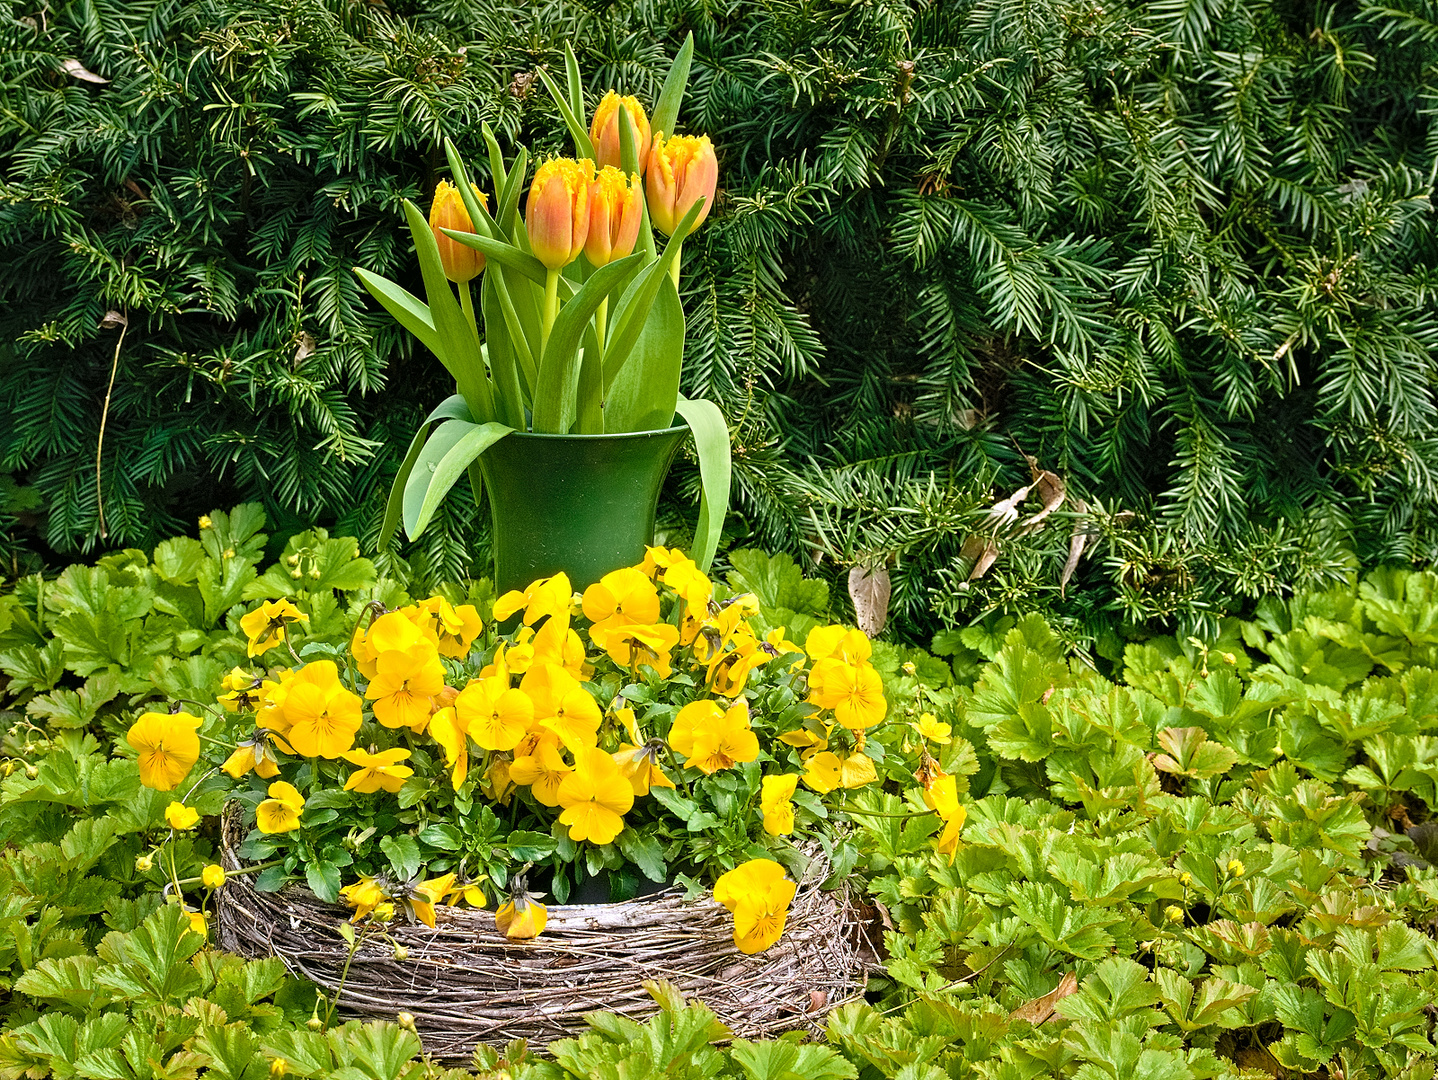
580	329
651	727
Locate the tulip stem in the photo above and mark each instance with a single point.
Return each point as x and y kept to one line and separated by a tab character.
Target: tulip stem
466	303
601	316
551	310
674	266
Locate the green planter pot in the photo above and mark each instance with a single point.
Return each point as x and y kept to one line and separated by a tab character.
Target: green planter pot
583	504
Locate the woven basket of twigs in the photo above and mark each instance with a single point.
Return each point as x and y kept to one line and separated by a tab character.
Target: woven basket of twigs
465	983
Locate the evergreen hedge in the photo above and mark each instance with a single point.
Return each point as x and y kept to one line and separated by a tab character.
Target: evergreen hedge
1180	252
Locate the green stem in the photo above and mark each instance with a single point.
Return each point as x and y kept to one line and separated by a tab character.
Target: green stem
601	316
674	266
551	310
466	303
871	813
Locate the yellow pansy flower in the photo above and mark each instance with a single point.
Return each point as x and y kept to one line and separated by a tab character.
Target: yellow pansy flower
495	716
265	626
640	765
595	797
826	770
255	755
241	690
377	771
521	917
167	746
942	795
562	705
712	739
929	727
213	876
280	813
547	596
390	632
557	644
643	644
619	599
542	772
446	728
854	691
455	628
365	895
322	715
180	817
758	894
775	793
404	686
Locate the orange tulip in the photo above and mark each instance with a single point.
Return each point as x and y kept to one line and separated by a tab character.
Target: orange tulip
682	170
461	263
615	207
557	215
604	130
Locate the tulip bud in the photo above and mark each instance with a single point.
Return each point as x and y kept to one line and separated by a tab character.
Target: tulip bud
460	263
682	170
556	217
604	130
615	207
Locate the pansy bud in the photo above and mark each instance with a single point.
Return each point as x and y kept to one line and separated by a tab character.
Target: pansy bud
604	130
556	217
682	169
615	207
460	263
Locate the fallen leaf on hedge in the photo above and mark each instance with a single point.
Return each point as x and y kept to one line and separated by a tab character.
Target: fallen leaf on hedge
1006	511
870	591
112	320
984	560
77	70
1051	491
1041	1008
305	348
1078	539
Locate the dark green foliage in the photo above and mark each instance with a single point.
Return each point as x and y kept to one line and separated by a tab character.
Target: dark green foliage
1182	253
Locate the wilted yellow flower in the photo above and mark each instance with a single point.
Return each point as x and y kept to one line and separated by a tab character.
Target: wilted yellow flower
365	895
241	690
167	745
942	796
254	754
640	765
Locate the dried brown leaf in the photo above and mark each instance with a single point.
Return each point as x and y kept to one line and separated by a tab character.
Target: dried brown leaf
1051	490
1006	511
305	348
77	70
985	560
1040	1009
870	591
113	320
1078	539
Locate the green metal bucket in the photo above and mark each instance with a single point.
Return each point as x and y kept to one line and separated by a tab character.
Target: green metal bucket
583	504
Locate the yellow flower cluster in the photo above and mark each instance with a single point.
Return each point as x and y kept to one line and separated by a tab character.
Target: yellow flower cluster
528	726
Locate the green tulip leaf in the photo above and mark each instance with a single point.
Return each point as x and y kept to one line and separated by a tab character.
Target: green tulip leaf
497	171
666	109
576	83
445	457
408	310
478	215
583	146
644	390
554	392
501	252
452	407
711	444
460	347
502	348
509	200
632	312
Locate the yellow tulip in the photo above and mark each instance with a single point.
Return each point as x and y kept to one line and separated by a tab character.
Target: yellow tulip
681	171
556	218
604	130
167	745
616	205
460	263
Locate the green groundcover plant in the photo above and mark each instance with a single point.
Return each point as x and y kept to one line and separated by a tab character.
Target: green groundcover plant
1220	859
